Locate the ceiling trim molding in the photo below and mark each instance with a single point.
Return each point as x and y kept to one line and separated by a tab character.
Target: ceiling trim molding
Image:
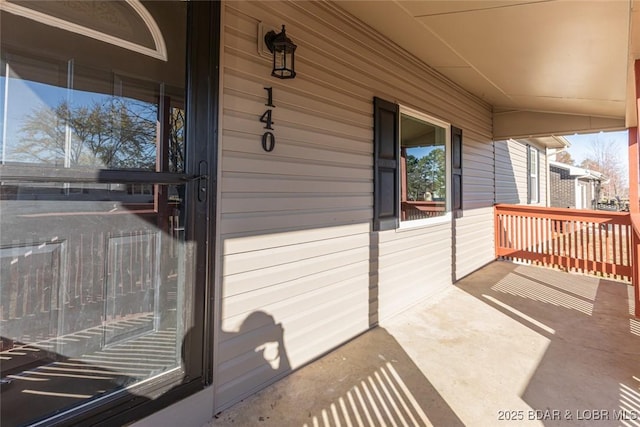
528	124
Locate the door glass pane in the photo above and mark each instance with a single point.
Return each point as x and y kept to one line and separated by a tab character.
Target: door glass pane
92	291
96	283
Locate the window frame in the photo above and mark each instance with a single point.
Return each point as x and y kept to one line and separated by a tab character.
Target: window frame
533	171
416	114
386	165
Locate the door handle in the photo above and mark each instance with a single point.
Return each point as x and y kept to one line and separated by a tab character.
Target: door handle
203	181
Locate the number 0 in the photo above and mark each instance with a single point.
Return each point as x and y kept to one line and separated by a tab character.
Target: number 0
268	141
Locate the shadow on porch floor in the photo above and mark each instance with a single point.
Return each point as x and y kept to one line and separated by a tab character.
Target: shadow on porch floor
508	345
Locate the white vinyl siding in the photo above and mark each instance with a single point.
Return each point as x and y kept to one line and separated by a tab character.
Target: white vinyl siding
295	223
474	230
512	173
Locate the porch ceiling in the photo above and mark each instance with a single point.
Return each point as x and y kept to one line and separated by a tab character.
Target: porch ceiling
528	59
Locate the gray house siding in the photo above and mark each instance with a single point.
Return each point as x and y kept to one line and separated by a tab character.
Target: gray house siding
297	251
512	172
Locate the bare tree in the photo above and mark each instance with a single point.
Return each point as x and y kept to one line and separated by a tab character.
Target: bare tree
605	158
176	140
565	157
115	133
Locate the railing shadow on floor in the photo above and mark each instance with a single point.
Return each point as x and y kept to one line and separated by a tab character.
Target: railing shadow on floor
589	368
371	380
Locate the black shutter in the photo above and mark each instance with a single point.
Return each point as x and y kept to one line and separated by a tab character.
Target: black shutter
386	200
456	170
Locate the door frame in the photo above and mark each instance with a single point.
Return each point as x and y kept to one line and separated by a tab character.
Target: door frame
201	179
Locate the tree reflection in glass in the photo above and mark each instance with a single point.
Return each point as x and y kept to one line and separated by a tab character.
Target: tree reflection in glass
116	133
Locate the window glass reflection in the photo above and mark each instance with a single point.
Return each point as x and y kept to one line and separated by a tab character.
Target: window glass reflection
69	115
423	168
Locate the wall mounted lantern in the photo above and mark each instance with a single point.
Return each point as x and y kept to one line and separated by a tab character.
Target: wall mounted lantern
283	51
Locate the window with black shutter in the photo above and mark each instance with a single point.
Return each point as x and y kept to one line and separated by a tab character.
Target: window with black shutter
417	167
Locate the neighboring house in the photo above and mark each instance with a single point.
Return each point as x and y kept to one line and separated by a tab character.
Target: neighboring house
522	169
574	187
287	216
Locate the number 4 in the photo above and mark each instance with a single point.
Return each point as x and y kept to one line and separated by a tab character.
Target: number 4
266	119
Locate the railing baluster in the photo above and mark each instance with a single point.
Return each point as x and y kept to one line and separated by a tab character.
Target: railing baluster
619	261
514	233
518	232
585	246
578	235
560	239
563	235
543	245
525	234
608	255
534	235
601	243
589	238
594	226
521	232
504	225
573	245
26	290
506	229
513	241
629	245
553	241
580	257
613	246
545	240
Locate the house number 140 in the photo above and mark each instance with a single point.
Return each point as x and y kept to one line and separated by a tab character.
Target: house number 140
268	138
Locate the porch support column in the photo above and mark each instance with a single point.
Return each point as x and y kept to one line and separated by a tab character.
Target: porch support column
634	206
634	203
635	261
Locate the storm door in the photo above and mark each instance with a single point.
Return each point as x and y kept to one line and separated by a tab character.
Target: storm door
102	188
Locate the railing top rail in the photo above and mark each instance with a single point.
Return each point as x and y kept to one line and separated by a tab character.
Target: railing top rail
565	213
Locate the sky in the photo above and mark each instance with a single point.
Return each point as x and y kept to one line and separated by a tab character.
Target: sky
581	146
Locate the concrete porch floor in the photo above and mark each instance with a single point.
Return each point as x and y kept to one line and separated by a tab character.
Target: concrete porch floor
507	345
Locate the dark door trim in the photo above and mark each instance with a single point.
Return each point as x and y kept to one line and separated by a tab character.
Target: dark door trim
203	67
